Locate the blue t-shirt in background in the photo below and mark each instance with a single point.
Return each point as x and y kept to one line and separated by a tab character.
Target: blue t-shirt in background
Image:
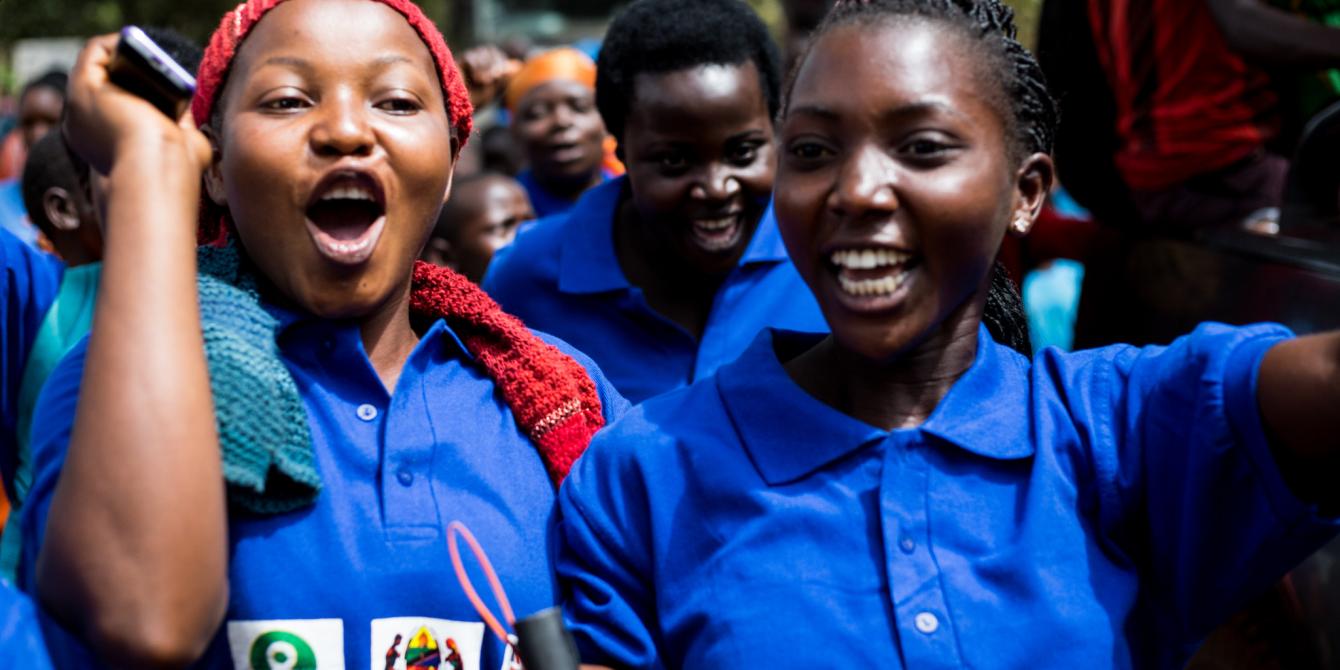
21	643
29	283
368	561
14	214
562	276
1105	508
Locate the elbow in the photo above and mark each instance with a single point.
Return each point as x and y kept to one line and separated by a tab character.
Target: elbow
138	629
162	639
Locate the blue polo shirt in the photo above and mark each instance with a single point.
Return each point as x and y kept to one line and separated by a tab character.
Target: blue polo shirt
542	201
1102	509
21	643
28	286
563	277
339	580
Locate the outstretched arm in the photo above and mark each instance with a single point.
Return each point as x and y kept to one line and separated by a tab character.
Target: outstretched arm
135	555
1298	391
1272	36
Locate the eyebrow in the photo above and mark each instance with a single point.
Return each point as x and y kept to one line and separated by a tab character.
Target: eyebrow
303	64
910	110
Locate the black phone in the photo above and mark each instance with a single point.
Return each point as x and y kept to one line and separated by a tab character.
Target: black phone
142	67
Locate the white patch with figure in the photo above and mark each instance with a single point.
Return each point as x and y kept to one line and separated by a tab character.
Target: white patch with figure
420	643
287	644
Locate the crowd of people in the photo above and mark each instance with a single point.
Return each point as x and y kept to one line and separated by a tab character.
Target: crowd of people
718	346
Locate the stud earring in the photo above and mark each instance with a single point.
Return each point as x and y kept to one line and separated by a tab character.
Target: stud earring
1020	225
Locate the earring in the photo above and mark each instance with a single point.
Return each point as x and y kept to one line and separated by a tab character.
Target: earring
1020	224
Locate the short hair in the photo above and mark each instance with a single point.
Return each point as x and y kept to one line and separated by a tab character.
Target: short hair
659	36
55	80
48	165
186	52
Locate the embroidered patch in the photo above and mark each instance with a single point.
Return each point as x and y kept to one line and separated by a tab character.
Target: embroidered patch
418	643
296	644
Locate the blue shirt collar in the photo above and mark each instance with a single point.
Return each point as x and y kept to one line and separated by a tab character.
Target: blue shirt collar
289	319
983	413
588	263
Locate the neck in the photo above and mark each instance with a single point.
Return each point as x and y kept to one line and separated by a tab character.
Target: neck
899	393
569	188
389	338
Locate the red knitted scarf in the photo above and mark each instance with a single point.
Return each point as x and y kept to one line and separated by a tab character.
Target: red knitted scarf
552	396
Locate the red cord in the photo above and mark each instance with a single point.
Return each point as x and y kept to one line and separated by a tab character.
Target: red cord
457	528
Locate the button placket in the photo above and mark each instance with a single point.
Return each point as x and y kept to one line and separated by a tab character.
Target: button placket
920	614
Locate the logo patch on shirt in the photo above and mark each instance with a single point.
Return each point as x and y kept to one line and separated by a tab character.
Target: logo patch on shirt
418	643
296	644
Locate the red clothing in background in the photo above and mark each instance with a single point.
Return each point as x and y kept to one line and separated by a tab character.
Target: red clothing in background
1186	103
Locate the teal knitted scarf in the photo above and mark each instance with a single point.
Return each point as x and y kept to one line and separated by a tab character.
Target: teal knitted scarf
263	431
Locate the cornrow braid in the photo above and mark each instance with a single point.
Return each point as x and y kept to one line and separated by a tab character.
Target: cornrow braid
1031	111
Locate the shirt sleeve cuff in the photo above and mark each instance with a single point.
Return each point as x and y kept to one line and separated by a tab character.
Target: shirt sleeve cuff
1242	369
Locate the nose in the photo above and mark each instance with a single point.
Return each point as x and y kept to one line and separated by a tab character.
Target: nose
718	183
342	128
866	185
563	116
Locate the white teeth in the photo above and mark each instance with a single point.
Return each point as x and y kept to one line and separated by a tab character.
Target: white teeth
868	287
715	224
867	259
348	193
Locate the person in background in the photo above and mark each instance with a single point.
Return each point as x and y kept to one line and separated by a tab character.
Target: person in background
554	120
481	217
1195	107
667	273
40	105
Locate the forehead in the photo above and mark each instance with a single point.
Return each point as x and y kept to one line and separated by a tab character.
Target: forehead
345	35
41	98
556	89
705	95
871	69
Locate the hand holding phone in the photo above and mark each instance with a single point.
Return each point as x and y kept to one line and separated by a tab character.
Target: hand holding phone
142	67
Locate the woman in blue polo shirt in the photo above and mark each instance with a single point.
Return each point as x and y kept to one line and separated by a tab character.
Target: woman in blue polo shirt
665	274
908	491
255	468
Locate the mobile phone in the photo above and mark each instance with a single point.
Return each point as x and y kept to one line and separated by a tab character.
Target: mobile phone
143	68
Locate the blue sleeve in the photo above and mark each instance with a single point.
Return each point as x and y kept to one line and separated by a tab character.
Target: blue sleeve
21	644
28	286
1188	486
53	419
603	570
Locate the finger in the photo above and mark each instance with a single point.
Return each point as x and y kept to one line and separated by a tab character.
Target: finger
96	56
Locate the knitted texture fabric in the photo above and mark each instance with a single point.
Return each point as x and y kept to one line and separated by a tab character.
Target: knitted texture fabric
264	437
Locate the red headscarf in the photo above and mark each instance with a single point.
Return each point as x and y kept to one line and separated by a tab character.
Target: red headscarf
553	398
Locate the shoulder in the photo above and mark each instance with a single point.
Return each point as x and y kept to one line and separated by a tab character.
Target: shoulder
25	264
613	404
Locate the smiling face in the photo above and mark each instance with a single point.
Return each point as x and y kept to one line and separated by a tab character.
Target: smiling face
698	145
335	153
561	133
897	183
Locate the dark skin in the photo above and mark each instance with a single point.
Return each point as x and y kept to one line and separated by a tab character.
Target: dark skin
920	160
481	218
562	136
143	479
39	112
1273	36
71	226
698	145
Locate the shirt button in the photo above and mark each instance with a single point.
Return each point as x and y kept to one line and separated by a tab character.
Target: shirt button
927	623
367	412
907	544
405	477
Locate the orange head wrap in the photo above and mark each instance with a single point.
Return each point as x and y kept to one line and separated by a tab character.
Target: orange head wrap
564	63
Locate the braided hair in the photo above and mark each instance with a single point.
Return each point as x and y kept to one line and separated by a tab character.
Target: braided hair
1022	98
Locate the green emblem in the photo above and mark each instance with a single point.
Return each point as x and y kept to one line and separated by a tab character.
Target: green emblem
281	650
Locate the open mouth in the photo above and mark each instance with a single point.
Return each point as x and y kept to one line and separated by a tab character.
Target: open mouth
346	216
566	152
870	275
717	234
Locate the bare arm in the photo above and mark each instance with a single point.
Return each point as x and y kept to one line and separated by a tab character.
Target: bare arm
135	556
1272	36
1298	391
